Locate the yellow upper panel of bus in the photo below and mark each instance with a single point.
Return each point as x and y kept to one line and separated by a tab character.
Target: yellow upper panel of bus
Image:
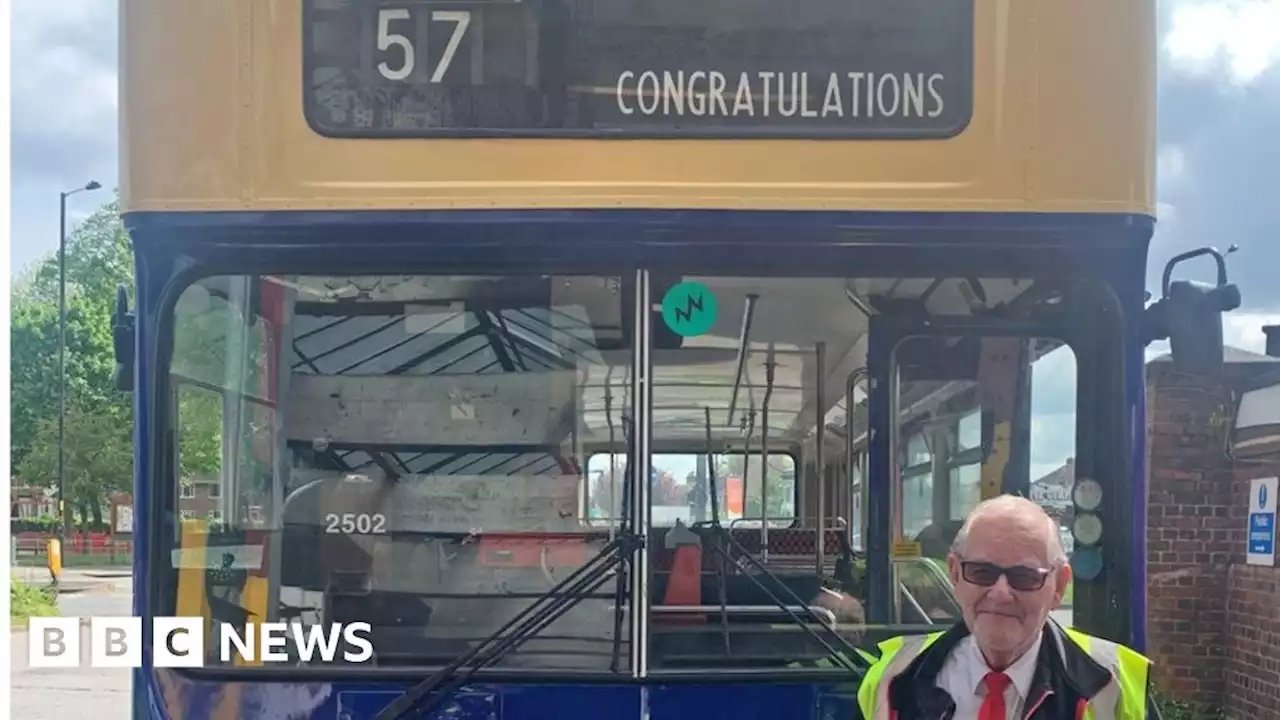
912	105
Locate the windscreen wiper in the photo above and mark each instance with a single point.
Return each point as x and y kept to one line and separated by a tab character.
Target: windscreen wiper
427	695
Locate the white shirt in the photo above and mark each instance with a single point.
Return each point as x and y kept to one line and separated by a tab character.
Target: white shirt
962	673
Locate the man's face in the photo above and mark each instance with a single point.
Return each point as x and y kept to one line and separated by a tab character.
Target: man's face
1004	612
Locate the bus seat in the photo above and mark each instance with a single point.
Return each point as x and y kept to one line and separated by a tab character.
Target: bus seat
744	590
789	541
684	586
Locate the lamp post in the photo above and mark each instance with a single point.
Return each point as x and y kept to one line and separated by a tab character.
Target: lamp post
64	528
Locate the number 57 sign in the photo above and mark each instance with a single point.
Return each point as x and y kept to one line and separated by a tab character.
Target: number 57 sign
390	37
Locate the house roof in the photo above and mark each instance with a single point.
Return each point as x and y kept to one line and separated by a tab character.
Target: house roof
1229	355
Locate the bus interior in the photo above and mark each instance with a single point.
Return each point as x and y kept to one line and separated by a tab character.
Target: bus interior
435	455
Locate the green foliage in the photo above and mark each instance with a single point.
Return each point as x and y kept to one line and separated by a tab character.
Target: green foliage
34	363
1172	708
199	432
42	524
200	344
99	454
98	258
781	481
99	419
28	602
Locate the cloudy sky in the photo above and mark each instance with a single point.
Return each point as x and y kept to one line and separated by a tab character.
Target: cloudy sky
1219	165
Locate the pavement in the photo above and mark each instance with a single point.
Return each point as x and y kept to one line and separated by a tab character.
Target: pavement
73	693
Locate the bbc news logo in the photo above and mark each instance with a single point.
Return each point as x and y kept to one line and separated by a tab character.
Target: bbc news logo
180	642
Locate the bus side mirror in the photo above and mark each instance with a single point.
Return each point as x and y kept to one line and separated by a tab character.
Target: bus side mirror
1189	314
123	337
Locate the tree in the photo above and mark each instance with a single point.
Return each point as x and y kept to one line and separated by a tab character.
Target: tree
99	458
782	481
98	260
200	347
33	361
98	418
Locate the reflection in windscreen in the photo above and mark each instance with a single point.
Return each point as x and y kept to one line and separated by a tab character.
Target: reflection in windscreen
433	455
427	434
1003	421
681	489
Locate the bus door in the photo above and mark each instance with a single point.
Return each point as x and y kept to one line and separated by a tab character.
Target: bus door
960	410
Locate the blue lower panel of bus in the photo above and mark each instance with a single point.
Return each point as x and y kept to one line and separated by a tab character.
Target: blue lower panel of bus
172	697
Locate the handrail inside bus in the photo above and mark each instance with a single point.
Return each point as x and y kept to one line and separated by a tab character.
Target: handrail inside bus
827	616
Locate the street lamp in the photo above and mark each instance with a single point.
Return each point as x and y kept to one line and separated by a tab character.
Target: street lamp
64	528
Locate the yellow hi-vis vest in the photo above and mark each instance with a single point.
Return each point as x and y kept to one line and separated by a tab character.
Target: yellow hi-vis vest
1124	698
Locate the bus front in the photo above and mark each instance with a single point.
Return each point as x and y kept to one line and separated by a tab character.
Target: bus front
572	357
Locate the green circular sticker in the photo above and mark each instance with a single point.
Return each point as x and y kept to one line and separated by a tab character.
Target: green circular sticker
689	309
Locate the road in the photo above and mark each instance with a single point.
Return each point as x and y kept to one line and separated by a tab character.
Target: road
74	693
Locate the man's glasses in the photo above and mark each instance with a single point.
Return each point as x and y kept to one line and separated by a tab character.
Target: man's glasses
1021	578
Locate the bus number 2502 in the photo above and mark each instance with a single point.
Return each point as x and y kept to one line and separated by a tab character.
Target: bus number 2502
355	523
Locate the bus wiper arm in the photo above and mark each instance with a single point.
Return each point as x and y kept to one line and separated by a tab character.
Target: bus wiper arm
429	693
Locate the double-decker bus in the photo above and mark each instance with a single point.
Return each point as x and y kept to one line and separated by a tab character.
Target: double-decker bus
426	289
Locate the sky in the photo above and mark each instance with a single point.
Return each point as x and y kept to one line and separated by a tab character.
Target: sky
1219	166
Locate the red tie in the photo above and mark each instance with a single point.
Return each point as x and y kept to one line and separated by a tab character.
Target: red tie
993	706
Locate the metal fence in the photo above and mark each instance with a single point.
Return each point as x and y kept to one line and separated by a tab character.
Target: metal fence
78	550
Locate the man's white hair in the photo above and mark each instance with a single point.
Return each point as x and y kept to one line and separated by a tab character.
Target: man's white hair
1014	505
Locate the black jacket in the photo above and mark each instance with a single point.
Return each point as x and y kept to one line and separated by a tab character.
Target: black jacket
1065	676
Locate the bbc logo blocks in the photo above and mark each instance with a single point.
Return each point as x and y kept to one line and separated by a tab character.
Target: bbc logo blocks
115	642
180	642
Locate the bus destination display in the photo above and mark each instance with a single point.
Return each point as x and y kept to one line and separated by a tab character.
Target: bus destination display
875	69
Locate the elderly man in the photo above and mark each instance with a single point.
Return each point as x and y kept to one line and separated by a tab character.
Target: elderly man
1008	660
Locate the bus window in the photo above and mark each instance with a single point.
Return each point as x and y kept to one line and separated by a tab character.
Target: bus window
977	417
223	422
404	451
857	493
748	511
680	485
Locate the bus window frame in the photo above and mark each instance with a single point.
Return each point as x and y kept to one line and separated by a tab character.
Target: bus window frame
902	330
964	458
171	273
1103	445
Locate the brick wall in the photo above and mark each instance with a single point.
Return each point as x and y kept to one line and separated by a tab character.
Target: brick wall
1214	622
1253	642
1189	535
202	502
1252	670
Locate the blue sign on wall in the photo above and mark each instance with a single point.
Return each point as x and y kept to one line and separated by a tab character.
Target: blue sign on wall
1262	536
1260	543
